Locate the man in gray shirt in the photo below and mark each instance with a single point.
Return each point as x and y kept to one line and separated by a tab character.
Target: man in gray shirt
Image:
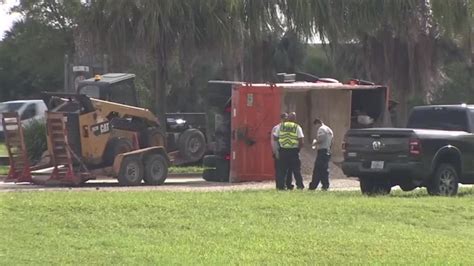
321	164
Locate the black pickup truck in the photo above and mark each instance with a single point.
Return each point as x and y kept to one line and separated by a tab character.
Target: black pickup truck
435	151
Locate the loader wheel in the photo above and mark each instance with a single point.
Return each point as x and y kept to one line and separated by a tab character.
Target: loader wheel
115	147
192	145
131	171
153	137
156	169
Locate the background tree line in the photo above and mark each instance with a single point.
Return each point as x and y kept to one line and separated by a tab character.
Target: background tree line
422	49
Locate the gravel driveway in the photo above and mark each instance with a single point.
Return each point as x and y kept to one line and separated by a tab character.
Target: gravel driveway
175	183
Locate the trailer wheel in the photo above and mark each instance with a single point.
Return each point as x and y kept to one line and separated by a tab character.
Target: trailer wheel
115	147
192	145
131	171
156	169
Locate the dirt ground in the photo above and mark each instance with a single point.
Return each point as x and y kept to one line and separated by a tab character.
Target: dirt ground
195	183
308	156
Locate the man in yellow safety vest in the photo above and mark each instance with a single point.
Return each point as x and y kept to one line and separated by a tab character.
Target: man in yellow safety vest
290	137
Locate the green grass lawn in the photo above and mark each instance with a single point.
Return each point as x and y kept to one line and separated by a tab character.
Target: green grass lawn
185	170
3	150
4	169
247	227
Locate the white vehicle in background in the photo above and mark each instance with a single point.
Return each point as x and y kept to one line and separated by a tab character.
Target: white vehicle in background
29	110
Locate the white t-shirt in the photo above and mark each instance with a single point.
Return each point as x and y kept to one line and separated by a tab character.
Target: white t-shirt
273	141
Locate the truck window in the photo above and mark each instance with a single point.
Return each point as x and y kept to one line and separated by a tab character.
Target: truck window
123	92
442	119
91	91
30	112
10	107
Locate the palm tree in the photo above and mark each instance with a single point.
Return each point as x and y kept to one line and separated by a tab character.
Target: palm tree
159	29
390	42
397	40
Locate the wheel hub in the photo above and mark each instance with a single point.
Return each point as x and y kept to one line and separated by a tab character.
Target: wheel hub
132	171
194	145
447	182
157	170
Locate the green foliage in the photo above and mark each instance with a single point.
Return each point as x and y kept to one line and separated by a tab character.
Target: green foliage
459	88
35	139
235	228
4	169
176	46
3	150
316	62
31	60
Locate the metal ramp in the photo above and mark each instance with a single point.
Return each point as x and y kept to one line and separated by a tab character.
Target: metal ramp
16	148
62	156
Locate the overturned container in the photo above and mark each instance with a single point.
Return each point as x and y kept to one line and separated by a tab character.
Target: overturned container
242	116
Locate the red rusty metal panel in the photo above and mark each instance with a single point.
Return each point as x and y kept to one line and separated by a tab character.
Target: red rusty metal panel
255	111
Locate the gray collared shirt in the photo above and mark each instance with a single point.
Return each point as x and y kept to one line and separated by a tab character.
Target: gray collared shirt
324	137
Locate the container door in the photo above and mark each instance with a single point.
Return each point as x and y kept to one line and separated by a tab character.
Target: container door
255	111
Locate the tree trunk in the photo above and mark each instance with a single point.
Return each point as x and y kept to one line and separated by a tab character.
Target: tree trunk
160	96
159	87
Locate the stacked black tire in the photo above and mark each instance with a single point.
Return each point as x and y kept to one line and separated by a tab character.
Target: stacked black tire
217	166
216	169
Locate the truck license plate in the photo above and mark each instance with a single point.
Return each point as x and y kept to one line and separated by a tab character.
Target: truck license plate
377	165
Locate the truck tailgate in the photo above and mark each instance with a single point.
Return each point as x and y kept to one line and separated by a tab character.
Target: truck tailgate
378	144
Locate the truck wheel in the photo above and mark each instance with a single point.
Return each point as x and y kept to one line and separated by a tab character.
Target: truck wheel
156	170
374	186
444	182
131	171
192	145
407	186
115	147
209	161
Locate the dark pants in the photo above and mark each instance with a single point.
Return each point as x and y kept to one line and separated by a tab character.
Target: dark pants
289	179
290	164
321	170
278	169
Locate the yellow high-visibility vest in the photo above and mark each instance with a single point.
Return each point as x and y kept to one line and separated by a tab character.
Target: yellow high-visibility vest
288	137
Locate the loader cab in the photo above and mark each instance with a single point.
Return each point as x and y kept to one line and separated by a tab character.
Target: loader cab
113	87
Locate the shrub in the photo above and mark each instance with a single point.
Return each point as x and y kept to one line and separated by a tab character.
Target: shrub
35	139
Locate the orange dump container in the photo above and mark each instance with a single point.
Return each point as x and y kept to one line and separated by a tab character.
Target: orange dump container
255	111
